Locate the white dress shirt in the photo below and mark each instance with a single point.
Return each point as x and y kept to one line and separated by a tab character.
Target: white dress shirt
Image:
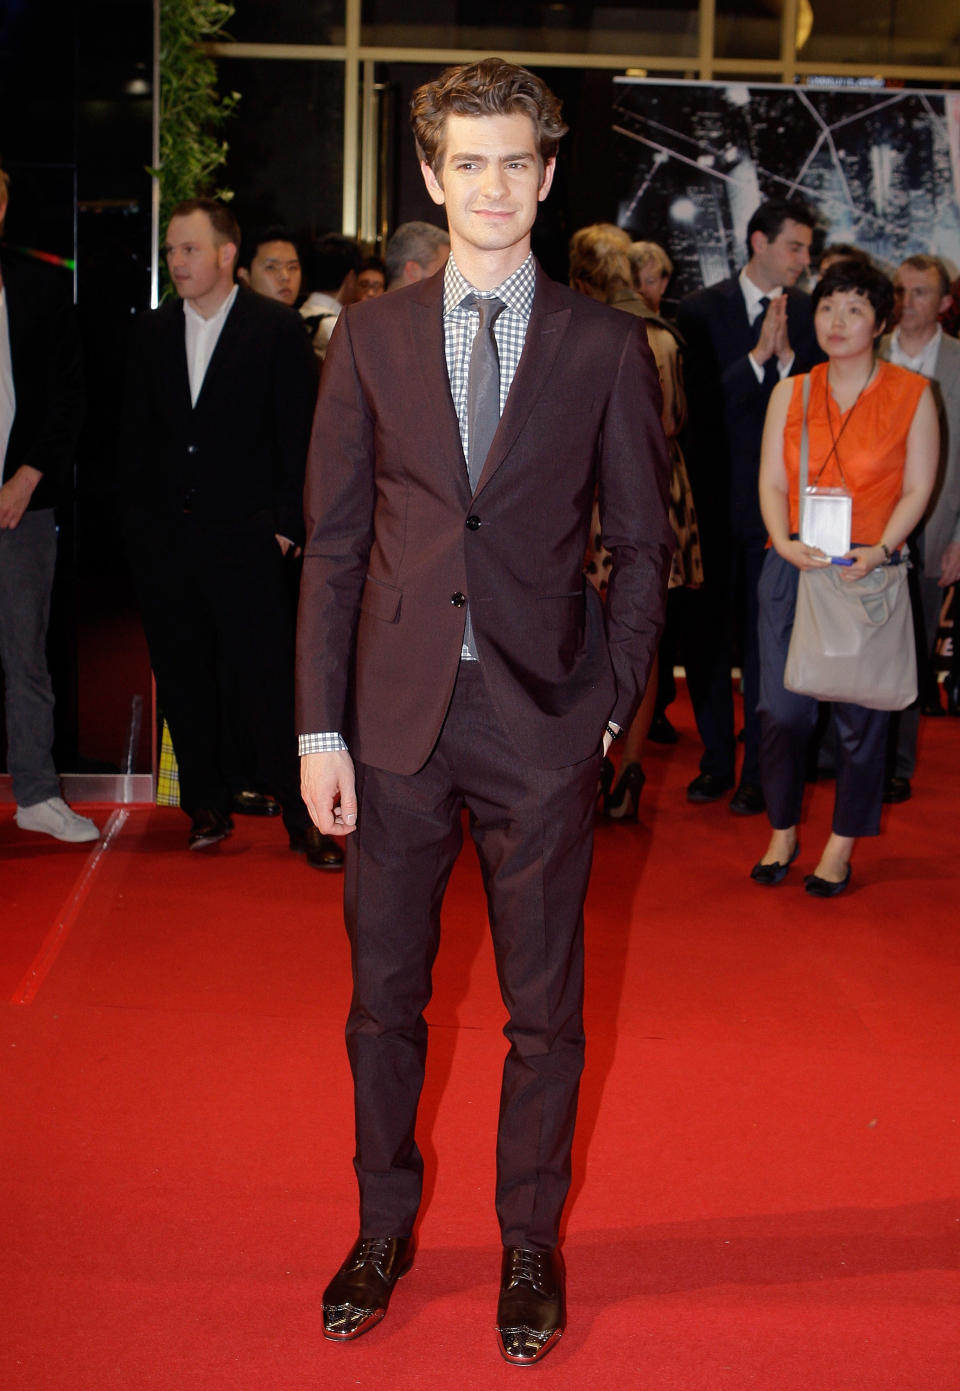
201	337
925	362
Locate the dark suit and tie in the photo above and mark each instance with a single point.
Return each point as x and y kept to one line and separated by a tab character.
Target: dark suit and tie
728	396
422	555
212	470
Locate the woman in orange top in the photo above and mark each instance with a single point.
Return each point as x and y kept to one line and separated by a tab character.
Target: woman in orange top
872	428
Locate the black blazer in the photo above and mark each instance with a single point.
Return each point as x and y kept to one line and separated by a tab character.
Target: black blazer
727	405
242	448
47	374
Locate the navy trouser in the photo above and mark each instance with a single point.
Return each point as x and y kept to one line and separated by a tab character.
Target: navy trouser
787	721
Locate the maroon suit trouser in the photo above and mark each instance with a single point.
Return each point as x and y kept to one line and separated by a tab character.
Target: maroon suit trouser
533	830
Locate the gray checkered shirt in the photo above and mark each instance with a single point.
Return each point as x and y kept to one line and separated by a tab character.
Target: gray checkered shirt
460	326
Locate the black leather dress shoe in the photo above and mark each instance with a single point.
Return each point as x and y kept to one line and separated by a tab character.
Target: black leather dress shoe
896	790
207	826
707	787
357	1297
532	1310
250	803
748	800
322	852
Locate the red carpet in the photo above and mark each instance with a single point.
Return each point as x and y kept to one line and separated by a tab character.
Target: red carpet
767	1162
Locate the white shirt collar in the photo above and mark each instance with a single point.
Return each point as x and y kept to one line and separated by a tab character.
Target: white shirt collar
752	294
217	317
925	361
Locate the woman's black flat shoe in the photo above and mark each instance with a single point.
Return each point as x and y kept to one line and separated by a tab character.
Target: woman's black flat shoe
622	802
769	875
826	888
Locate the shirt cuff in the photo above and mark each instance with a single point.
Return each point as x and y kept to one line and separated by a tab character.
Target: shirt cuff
321	743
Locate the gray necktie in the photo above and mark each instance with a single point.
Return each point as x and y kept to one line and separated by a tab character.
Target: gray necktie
483	387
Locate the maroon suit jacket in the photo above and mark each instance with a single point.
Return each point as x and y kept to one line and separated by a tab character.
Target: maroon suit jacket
395	540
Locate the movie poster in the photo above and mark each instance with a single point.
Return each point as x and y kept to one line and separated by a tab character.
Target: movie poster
694	159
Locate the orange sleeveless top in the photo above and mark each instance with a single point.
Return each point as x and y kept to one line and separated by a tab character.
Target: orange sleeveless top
872	449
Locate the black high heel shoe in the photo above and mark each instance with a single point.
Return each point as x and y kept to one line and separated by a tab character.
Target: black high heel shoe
604	783
621	804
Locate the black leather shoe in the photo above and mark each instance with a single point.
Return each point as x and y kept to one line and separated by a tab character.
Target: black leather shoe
661	731
207	826
707	787
357	1296
531	1311
896	790
826	888
250	803
748	800
775	872
322	852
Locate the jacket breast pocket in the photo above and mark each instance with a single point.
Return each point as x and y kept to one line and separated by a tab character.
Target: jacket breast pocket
381	600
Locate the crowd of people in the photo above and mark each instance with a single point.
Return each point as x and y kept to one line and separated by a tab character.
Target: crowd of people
731	366
223	453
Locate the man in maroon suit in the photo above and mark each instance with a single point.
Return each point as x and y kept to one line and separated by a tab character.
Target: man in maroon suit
450	655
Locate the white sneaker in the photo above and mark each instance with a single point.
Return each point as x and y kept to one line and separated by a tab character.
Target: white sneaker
54	818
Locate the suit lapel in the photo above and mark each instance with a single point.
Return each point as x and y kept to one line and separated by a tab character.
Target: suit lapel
174	386
736	328
948	370
426	347
549	320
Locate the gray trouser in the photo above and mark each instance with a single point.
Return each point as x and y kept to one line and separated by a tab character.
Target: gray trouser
906	723
28	553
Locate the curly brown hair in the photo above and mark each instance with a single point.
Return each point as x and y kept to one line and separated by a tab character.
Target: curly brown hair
492	87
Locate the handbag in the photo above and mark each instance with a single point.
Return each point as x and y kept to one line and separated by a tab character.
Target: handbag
852	641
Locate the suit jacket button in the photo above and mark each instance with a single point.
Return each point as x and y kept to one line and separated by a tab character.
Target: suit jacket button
193	449
473	523
458	600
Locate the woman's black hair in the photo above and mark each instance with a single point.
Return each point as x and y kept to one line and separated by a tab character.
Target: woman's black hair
863	280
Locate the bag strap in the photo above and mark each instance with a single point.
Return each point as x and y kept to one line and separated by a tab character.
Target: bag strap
804	471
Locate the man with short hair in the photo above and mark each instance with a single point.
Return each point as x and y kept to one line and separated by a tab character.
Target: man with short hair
922	290
216	420
416	251
41	411
332	269
742	335
269	263
447	639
